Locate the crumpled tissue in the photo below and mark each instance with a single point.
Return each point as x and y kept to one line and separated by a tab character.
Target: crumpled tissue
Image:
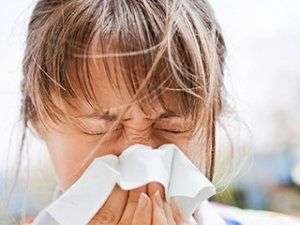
138	165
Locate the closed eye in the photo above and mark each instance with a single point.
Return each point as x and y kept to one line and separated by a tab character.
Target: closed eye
99	133
175	131
164	130
174	124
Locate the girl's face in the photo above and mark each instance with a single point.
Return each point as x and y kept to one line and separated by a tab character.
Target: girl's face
68	145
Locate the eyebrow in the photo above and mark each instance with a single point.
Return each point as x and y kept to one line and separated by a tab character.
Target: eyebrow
108	116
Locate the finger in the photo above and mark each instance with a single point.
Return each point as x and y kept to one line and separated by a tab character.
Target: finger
177	214
131	204
110	213
143	213
169	213
155	186
159	217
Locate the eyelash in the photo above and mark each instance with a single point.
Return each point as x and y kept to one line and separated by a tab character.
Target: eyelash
173	131
170	131
97	134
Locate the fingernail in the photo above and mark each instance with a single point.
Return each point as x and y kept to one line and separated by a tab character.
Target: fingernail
143	200
158	199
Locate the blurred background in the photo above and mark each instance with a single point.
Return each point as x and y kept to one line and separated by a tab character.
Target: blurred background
263	82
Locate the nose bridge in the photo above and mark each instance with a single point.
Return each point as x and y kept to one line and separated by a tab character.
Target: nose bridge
139	132
138	129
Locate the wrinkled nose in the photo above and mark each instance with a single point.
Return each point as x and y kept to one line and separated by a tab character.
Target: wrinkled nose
138	128
140	134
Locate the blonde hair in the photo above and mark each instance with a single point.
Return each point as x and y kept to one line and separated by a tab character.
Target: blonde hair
160	45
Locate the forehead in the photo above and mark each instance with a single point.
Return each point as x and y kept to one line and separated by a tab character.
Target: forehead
115	99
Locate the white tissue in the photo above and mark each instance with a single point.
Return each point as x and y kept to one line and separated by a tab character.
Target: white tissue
137	165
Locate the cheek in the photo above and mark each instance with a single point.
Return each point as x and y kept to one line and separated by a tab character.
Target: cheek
67	152
196	151
183	142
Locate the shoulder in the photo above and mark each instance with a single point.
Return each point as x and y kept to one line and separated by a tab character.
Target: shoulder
238	216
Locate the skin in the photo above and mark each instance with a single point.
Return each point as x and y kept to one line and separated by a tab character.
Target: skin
68	145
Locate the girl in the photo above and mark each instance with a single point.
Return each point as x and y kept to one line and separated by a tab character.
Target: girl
100	75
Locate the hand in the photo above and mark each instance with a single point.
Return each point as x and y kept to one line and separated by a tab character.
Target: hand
144	205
